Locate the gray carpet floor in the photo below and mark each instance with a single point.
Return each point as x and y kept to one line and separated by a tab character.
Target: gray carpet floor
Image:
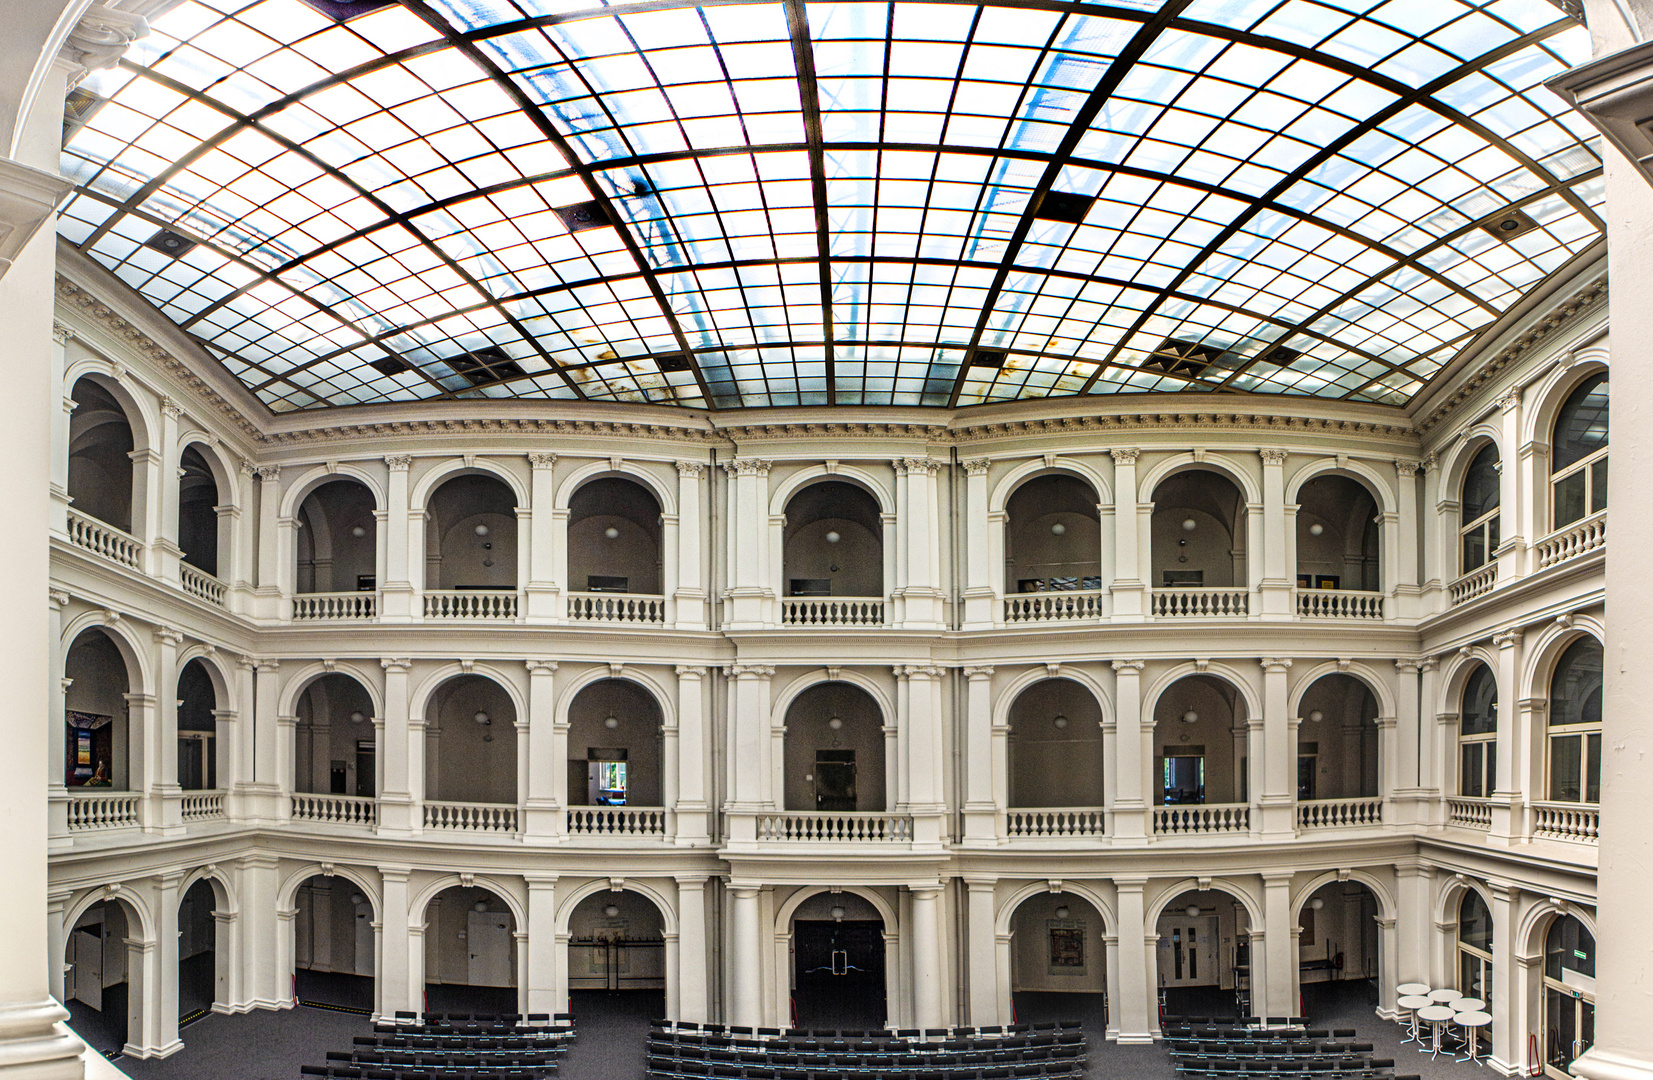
614	1026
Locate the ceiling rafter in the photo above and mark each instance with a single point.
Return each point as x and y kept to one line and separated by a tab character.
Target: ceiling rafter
803	57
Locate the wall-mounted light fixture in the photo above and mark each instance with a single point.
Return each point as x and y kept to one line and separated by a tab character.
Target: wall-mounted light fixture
482	718
611	910
482	530
356	716
1316	529
1063	912
1317	903
837	914
1060	721
1193	911
611	721
612	533
1190	717
834	723
1315	716
358	532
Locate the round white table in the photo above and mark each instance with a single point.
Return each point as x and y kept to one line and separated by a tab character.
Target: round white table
1469	1021
1445	996
1412	989
1464	1005
1435	1016
1411	1003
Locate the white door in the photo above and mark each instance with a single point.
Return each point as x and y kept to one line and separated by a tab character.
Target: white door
86	954
488	937
1188	951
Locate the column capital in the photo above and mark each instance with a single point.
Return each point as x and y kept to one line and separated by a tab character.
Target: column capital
166	635
1272	456
747	467
692	881
978	674
1133	666
399	462
929	890
1125	456
540	667
691	671
1509	639
976	466
267	472
542	461
62	335
1407	666
751	671
1406	466
171	408
1510	399
916	467
690	470
57	598
401	665
1280	664
99	40
923	671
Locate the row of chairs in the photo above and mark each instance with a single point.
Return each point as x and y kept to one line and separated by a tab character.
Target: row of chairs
1229	1021
404	1041
682	1070
1230	1033
371	1072
1298	1048
910	1034
866	1047
431	1059
946	1061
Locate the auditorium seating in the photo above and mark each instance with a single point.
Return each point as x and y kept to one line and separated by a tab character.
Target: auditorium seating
714	1052
454	1046
1281	1047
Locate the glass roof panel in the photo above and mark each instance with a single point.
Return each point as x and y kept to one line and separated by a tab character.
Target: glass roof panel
798	202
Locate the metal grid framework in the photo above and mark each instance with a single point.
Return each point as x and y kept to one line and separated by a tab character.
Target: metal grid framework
741	204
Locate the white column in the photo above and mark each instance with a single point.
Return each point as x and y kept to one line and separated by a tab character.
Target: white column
1132	758
692	974
1400	558
980	594
166	809
539	975
1436	547
1514	518
57	740
922	593
1133	1005
398	599
1507	804
1405	788
692	809
401	983
167	552
1415	889
927	988
982	949
746	996
58	509
162	1020
267	598
981	809
1509	1050
923	752
542	583
1278	579
1274	995
400	791
1129	599
241	573
689	598
1279	773
542	812
749	748
749	592
56	942
146	502
1432	763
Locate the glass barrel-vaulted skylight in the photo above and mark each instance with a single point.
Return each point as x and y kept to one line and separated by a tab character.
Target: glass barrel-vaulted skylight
746	204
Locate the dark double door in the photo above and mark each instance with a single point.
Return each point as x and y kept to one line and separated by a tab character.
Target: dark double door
839	973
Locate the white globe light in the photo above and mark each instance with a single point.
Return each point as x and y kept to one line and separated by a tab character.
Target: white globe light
1063	912
1190	716
1060	721
356	716
480	905
1317	903
481	717
835	723
833	538
1189	525
611	910
1316	716
1058	529
358	532
357	898
612	533
1193	911
611	722
1316	529
482	530
837	913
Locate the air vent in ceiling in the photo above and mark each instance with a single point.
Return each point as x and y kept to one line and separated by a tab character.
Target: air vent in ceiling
993	358
78	108
1278	354
1509	224
170	243
583	216
389	365
673	362
1188	358
491	364
1064	206
345	10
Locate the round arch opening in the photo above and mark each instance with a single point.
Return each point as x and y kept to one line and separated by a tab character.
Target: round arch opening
839	964
1053	536
1198	532
615	538
337	542
1338	947
470	953
470	744
103	976
335	741
833	542
197	729
617	957
471	535
1338	535
1058	961
1200	751
1203	955
202	971
1337	741
1569	994
834	755
1055	747
333	944
101	468
614	747
98	728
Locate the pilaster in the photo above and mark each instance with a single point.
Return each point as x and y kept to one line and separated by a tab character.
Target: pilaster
980	594
692	807
1134	757
1129	589
1278	580
544	816
981	807
1279	795
689	597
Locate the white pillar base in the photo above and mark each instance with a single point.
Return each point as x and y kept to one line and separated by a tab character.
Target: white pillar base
1599	1064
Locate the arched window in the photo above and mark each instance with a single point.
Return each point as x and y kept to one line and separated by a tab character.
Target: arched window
1569	995
1478	735
1575	724
1578	453
1475	948
1479	512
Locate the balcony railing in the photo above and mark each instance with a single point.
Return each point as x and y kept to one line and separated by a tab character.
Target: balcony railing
616	821
1574	540
1199	603
202	586
1339	813
106	540
470	604
1476	583
203	805
832	611
1339	604
1579	822
1469	813
855	828
1056	822
621	608
1053	606
1209	819
105	810
471	817
308	607
336	809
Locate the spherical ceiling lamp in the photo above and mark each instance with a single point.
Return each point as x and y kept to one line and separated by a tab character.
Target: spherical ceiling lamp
1192	911
611	910
1060	721
357	898
612	533
1063	912
1058	529
358	532
482	718
1315	716
1189	524
1316	529
833	538
1317	903
482	530
834	723
837	914
611	721
356	716
1190	717
480	905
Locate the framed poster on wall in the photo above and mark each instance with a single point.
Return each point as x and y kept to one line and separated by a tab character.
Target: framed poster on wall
90	749
1067	946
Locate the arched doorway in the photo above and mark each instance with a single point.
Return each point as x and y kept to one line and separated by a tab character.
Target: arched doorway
1474	953
99	733
838	963
1055	756
1569	995
1200	754
1337	535
1198	538
614	539
834	759
198	511
617	958
197	729
103	976
1053	536
334	740
614	750
1338	960
333	944
337	543
470	952
470	750
833	543
1337	741
471	535
100	464
197	952
1203	955
1058	961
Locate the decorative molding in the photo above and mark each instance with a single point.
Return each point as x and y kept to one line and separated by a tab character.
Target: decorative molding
171	408
691	671
1227	421
692	470
751	671
751	432
541	667
1406	466
1133	666
60	597
268	472
929	671
393	664
1280	664
978	673
399	462
976	466
747	467
1510	400
61	334
1125	456
916	467
1272	457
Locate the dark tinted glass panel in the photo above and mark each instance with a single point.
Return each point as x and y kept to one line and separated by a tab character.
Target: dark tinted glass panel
1481	484
1480	709
1569	499
1475	922
1581	426
1569	947
1575	688
1598	486
1565	757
